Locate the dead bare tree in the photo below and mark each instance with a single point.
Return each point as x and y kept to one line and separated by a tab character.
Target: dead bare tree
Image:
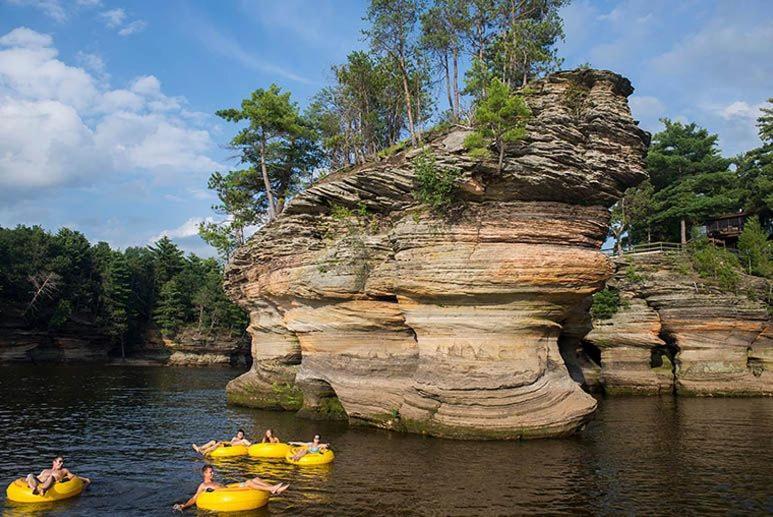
45	285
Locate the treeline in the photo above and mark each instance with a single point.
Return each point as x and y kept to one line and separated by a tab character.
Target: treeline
380	99
49	280
690	182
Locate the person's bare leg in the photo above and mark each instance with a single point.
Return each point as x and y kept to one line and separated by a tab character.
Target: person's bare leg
33	483
300	454
207	447
259	484
48	483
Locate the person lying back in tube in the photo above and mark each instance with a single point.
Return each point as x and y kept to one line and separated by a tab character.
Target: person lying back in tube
311	447
211	445
47	477
208	474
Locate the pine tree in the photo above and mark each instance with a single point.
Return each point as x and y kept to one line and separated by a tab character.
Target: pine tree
117	289
171	308
168	260
755	250
501	116
691	180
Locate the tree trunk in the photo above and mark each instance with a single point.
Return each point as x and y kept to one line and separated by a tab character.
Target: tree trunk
448	84
407	92
123	350
683	227
501	146
266	182
456	83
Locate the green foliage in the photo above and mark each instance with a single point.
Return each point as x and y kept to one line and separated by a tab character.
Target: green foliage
755	250
632	275
477	145
53	281
605	304
280	148
717	265
501	116
435	186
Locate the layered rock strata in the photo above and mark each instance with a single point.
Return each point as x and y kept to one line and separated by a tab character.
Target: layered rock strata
365	303
677	331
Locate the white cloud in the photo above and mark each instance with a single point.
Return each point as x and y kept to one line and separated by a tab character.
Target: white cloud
132	28
113	18
60	126
742	110
189	228
51	8
89	3
118	19
93	63
27	38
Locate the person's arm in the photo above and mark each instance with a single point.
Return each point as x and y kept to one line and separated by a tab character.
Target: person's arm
297	443
246	442
190	502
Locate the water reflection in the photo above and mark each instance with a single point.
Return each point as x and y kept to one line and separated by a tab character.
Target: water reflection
130	430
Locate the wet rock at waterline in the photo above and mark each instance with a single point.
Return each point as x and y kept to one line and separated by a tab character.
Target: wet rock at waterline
367	305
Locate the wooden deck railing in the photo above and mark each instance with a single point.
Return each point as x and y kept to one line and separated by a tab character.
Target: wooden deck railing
650	247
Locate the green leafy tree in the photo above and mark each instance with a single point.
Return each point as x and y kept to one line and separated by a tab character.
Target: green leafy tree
272	118
755	250
501	116
525	46
171	310
168	258
691	180
391	32
117	295
443	26
755	170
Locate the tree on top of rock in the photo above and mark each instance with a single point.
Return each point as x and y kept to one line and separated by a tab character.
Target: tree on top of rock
691	180
274	120
500	116
392	32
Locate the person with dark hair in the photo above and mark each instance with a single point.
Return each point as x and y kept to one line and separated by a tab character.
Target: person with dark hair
209	484
211	445
46	479
270	437
313	446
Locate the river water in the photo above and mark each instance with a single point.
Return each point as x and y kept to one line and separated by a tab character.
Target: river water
130	428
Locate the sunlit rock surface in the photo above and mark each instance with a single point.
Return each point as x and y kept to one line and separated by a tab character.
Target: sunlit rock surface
445	324
679	332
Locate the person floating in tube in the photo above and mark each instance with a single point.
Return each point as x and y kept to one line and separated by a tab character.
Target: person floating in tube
208	473
211	445
311	447
41	483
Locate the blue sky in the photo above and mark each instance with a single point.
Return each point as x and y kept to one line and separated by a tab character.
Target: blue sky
106	107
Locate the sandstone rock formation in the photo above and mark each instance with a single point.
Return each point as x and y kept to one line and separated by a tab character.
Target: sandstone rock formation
676	331
192	347
364	302
78	340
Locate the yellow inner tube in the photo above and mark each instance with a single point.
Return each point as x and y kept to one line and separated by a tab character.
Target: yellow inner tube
226	450
19	492
232	498
269	450
311	458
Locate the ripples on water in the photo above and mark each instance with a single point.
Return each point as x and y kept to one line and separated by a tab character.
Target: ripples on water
130	430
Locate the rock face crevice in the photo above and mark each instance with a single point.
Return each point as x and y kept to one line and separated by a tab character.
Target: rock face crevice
446	324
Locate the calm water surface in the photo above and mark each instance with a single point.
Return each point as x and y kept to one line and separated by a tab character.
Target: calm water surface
130	430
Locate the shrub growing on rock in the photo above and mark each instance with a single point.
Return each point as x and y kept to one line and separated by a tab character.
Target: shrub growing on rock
435	186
